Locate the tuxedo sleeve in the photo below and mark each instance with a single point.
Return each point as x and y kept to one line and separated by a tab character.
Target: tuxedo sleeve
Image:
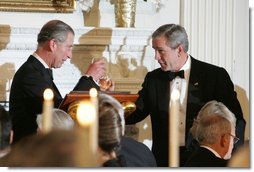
85	84
141	111
227	95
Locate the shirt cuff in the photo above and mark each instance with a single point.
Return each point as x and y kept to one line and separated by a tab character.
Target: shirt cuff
89	76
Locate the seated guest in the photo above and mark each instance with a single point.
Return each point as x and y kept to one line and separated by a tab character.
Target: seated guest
6	132
209	108
216	136
60	120
118	149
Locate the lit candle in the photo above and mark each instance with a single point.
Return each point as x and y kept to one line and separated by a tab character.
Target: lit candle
86	116
94	100
173	129
47	110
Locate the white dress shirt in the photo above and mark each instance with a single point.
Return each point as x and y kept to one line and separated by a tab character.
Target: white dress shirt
182	85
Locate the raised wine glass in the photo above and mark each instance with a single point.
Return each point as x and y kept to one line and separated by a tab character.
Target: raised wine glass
105	82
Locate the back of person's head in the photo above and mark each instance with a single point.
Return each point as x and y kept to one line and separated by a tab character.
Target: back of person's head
110	125
55	149
213	107
175	35
60	120
110	128
211	127
5	128
54	29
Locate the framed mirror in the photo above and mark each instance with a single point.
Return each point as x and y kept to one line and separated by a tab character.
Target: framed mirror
53	6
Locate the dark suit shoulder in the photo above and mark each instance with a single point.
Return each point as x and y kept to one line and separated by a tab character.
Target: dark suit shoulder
136	153
156	74
205	158
30	67
204	65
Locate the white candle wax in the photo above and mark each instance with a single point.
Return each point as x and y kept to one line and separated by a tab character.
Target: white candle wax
86	119
173	129
94	100
47	110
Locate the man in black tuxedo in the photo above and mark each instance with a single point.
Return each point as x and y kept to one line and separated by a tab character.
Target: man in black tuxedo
216	135
198	83
55	42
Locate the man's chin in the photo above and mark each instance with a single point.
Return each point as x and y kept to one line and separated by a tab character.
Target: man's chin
58	66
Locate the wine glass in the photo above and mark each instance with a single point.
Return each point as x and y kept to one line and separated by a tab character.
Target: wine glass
105	82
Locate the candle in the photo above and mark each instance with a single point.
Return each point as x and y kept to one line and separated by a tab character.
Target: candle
173	129
47	110
94	100
86	116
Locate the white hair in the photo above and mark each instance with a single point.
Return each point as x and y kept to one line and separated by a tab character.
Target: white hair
60	120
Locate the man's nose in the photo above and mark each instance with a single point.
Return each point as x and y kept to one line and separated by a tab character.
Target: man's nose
157	56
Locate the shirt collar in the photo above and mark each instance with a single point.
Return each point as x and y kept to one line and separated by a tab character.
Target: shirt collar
187	64
213	151
41	60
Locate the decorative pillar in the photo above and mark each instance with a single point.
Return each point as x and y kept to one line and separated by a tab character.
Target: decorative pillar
125	11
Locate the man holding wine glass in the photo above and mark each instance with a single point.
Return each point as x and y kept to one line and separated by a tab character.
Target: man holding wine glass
55	43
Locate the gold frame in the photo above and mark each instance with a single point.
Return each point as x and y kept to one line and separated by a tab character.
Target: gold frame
53	6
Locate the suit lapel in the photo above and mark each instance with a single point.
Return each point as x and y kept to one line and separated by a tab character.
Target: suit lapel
195	92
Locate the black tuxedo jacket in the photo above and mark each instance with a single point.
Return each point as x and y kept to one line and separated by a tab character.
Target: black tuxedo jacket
26	95
207	82
136	154
205	158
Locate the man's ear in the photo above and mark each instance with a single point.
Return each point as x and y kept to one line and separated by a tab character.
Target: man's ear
52	44
225	139
180	49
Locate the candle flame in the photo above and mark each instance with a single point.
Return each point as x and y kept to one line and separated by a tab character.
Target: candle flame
86	113
93	92
48	94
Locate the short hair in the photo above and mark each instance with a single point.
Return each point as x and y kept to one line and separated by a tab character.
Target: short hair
5	128
54	29
110	126
175	35
213	107
60	120
211	127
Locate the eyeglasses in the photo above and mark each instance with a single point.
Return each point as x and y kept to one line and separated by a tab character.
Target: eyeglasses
236	139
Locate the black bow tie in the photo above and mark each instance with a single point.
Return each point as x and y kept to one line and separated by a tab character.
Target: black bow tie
50	73
173	75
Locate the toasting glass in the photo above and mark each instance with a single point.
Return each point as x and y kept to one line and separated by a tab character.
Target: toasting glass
105	82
